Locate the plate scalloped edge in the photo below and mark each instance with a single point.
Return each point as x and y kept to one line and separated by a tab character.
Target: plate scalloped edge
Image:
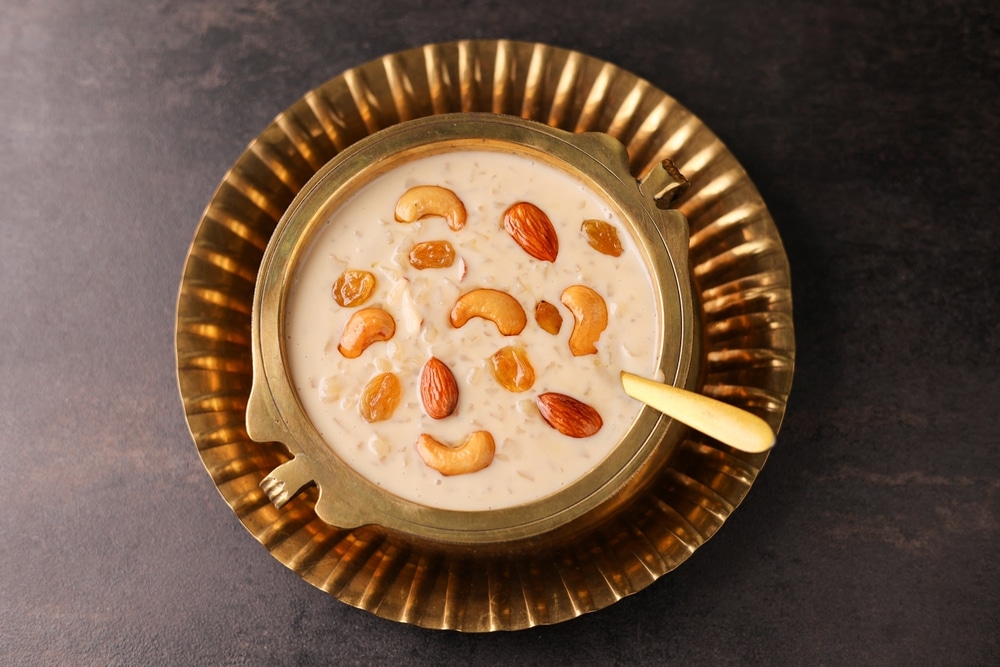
741	280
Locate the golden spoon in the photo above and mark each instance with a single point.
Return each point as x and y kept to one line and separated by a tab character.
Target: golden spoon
726	423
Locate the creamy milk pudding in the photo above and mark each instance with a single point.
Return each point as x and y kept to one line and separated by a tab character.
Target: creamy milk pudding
473	320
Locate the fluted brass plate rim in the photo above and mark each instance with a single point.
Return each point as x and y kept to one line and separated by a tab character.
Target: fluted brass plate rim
741	279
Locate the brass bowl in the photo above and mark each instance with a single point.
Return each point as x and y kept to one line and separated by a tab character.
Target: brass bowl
743	300
348	499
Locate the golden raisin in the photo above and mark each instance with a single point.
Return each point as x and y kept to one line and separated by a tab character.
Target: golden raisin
548	317
353	287
380	397
511	368
602	237
432	255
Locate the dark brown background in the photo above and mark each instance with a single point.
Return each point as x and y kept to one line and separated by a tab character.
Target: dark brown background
872	130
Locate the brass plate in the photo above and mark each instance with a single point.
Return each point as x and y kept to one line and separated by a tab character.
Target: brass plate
741	281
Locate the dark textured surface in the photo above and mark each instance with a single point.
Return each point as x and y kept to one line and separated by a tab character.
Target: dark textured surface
872	130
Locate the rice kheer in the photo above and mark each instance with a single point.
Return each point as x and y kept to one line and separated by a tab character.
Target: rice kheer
371	403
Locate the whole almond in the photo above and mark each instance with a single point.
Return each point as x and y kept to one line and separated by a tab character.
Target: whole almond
568	415
438	389
532	230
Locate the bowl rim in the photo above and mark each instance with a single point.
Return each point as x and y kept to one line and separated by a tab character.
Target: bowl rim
275	413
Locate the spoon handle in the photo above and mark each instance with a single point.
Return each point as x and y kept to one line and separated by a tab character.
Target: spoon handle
726	423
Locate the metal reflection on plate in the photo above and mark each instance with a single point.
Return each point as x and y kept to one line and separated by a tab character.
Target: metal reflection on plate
741	283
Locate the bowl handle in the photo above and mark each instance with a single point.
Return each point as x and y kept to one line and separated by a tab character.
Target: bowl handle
664	184
284	483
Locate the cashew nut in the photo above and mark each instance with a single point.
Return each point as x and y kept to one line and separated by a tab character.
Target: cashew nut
474	454
365	327
499	307
590	318
426	200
